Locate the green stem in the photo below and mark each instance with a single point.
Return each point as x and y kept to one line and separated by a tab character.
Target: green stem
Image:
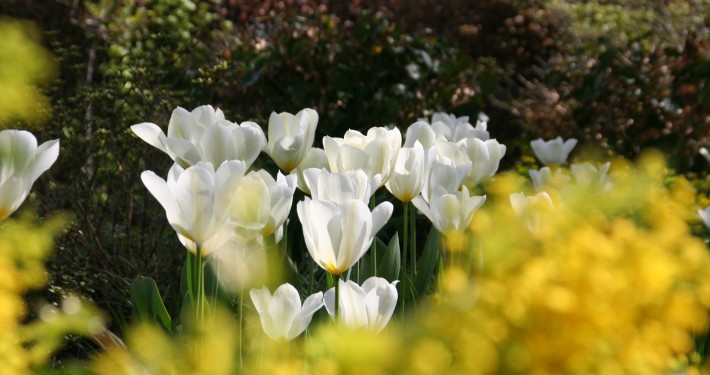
413	240
200	313
241	328
198	303
405	248
440	277
374	241
312	281
337	297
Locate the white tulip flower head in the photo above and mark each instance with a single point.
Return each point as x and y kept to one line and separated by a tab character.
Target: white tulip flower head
443	172
370	306
553	152
196	201
421	132
705	216
204	135
341	187
374	153
530	208
282	315
485	158
290	137
260	204
544	177
21	163
450	211
407	178
338	235
587	175
705	153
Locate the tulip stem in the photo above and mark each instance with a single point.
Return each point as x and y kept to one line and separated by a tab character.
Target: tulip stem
442	250
337	297
241	328
374	241
413	240
200	313
199	303
405	248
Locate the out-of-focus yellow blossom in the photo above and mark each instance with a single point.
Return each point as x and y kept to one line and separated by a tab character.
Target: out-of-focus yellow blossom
22	251
23	65
209	350
614	284
26	346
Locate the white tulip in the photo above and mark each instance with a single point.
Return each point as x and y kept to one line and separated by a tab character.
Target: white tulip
241	263
454	128
554	151
196	201
290	137
451	151
421	132
230	141
442	171
449	211
407	177
485	158
705	153
21	163
338	235
705	216
374	153
529	208
370	306
340	187
445	125
204	135
544	177
282	315
315	158
261	204
586	174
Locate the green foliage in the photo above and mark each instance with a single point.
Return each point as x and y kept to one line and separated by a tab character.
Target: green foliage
356	75
626	78
147	303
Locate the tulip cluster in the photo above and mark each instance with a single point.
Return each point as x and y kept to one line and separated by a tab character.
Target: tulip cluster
224	210
554	153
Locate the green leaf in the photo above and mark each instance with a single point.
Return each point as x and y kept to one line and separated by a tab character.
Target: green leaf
147	303
214	291
390	259
366	270
428	262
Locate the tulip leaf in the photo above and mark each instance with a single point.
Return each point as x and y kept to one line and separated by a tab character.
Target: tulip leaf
390	259
428	262
366	270
292	274
214	291
147	303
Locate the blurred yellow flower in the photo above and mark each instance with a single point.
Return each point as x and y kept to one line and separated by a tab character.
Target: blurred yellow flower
24	64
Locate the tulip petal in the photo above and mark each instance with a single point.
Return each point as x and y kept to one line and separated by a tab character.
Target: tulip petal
151	134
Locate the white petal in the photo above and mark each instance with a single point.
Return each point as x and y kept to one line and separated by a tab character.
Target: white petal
151	134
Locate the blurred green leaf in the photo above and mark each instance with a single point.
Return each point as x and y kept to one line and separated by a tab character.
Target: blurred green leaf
428	262
389	259
147	303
